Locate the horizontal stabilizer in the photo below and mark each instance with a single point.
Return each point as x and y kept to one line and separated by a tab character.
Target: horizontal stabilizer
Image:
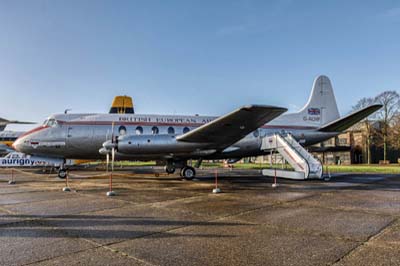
347	121
5	122
228	129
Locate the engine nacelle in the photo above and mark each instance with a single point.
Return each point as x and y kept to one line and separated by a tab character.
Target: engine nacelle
154	144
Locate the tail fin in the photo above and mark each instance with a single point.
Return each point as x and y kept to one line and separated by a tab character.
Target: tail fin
122	105
322	102
320	108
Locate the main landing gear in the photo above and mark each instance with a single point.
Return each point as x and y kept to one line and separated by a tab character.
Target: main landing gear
186	172
62	173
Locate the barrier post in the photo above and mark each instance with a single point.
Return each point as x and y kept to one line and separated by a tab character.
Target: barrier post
274	185
66	188
12	181
110	192
327	178
216	189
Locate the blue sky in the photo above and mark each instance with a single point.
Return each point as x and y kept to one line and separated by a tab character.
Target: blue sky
188	57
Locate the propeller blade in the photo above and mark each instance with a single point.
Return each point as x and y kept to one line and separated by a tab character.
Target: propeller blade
108	161
112	159
112	132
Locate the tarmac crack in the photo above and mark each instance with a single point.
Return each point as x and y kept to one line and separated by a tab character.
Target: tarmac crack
366	242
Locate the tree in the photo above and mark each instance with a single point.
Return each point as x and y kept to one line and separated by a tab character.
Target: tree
391	103
394	136
362	103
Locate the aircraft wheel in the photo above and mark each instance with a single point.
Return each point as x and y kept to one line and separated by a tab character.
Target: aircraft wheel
188	173
170	169
62	173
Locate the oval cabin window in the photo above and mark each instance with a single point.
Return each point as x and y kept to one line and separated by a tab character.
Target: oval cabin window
139	130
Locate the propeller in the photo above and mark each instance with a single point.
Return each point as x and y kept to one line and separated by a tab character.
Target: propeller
107	146
113	144
110	146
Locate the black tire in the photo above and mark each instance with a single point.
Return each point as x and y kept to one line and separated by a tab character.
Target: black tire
188	173
169	169
62	173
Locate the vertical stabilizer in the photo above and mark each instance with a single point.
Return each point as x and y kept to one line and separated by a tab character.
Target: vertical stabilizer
320	109
322	101
122	105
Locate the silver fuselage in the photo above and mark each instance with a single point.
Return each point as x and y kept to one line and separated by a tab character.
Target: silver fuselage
80	136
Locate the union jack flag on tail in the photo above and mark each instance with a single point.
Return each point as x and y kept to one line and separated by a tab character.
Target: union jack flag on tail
314	111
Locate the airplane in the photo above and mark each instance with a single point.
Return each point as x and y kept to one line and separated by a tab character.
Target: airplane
176	139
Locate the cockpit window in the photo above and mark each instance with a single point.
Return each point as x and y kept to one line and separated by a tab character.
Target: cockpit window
51	122
45	122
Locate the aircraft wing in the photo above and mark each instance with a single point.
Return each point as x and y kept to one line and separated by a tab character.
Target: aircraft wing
232	127
347	121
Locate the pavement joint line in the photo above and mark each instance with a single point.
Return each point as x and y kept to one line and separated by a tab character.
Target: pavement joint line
34	201
350	209
388	244
64	255
28	191
127	255
188	226
44	218
367	241
7	211
139	204
343	209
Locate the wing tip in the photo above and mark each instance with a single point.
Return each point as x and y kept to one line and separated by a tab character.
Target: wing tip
277	108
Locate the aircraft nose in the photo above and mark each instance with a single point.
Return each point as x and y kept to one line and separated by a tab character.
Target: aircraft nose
17	145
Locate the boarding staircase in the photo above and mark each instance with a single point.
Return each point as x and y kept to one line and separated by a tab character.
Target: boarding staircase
304	164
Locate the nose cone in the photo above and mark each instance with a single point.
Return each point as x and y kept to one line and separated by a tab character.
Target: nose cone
108	145
18	145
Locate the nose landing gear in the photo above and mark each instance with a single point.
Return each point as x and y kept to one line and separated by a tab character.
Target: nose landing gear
186	172
62	173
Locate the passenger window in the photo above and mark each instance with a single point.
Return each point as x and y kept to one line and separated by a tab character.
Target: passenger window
139	130
186	130
256	133
171	130
154	130
122	130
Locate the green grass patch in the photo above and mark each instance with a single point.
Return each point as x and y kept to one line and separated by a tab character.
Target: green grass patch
357	168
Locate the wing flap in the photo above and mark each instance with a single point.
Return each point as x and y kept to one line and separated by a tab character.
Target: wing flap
234	126
347	121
